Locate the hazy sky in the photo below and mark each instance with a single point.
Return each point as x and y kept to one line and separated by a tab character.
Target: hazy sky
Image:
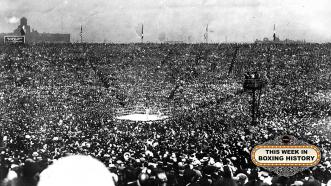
119	20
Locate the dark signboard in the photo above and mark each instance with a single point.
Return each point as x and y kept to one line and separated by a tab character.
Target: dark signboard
14	39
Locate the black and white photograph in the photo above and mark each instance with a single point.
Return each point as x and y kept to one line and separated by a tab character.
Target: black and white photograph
165	93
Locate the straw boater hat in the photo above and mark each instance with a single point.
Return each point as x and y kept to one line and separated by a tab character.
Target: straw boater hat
241	177
297	183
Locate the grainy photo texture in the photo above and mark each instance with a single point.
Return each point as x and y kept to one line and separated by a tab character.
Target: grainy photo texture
162	92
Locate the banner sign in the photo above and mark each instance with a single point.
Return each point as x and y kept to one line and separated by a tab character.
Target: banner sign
14	39
286	155
279	155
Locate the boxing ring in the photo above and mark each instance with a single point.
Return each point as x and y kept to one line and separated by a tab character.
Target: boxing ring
143	115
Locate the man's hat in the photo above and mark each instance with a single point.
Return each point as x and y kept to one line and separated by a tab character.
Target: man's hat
297	183
111	166
30	168
143	178
204	159
162	177
218	165
241	177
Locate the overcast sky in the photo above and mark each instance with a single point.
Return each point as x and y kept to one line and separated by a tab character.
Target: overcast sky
120	20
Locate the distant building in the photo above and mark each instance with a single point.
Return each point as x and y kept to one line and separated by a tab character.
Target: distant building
22	27
34	36
276	39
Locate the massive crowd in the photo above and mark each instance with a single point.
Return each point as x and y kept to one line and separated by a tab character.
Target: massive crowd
58	100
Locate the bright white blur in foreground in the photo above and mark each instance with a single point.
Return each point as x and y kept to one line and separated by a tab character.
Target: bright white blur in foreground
142	117
76	170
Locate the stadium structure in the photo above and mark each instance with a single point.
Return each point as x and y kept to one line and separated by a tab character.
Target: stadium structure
33	36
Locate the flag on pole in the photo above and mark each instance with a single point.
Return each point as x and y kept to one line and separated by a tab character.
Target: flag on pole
206	34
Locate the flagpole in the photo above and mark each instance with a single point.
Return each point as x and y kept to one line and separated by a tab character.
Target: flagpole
206	34
142	33
81	34
274	32
62	24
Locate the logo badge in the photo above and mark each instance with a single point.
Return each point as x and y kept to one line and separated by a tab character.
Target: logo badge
286	155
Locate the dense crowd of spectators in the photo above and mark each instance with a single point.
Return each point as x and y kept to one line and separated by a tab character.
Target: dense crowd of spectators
62	99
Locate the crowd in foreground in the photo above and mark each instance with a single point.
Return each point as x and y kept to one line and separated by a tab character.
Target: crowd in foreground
59	100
